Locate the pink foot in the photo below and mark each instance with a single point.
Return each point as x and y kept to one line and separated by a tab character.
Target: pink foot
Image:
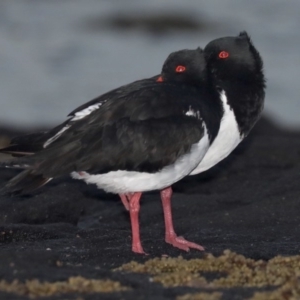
181	243
171	237
137	248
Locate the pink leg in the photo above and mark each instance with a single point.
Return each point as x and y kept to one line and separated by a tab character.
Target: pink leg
171	237
132	203
125	200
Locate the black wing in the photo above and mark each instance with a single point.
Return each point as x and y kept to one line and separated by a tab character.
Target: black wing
144	130
114	94
34	142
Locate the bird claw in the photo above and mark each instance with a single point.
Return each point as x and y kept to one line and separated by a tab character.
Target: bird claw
138	249
181	243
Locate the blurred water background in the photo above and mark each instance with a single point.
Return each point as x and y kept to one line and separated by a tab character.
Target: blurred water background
56	55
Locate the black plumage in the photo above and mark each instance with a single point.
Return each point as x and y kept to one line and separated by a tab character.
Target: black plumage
241	76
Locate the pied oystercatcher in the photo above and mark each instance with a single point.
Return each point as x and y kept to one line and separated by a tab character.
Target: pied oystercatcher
149	134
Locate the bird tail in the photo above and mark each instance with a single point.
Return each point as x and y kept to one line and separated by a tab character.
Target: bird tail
31	143
23	183
36	162
26	181
17	150
20	163
25	145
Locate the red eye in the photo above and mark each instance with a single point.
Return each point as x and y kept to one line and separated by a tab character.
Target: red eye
223	54
180	69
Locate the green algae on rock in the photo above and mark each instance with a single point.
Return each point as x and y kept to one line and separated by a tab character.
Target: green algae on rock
201	296
34	288
235	270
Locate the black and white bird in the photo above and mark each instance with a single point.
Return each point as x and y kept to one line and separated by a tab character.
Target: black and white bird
150	134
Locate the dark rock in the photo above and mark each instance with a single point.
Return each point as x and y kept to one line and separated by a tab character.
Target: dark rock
157	23
249	203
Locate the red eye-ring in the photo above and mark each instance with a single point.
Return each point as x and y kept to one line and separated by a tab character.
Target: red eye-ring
223	54
180	69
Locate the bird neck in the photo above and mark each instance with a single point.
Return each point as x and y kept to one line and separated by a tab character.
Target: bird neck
247	101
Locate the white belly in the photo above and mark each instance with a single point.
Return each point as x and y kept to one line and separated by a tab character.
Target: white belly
119	182
227	139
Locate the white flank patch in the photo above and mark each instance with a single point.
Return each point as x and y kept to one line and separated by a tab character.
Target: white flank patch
227	139
119	182
77	116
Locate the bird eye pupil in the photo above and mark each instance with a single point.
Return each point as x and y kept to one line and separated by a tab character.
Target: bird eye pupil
180	69
223	54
